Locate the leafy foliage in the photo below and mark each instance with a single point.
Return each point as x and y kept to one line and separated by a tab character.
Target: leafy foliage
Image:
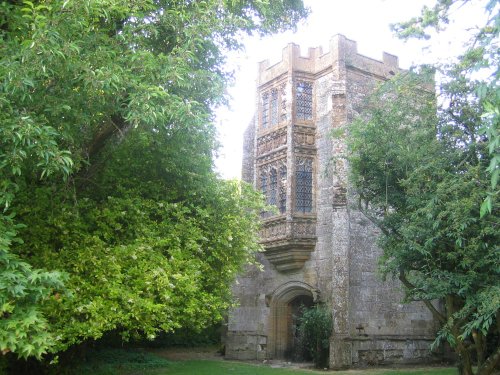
422	182
23	329
106	147
113	361
315	328
429	181
480	58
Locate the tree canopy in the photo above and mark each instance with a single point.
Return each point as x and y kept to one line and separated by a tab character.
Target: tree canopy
106	153
425	170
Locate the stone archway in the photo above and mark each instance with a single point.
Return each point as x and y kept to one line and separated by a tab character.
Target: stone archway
285	310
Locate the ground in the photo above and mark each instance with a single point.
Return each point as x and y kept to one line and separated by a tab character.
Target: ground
212	353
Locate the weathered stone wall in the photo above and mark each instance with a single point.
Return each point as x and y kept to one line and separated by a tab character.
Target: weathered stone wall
371	325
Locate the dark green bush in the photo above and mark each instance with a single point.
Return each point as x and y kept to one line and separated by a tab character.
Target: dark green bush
315	327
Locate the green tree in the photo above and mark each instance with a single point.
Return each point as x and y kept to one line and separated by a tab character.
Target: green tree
480	58
422	180
106	144
428	180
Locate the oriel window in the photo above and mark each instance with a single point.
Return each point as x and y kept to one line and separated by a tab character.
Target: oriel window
303	100
273	106
273	187
265	110
282	190
303	185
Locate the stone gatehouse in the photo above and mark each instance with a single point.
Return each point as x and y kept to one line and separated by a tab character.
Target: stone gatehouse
318	248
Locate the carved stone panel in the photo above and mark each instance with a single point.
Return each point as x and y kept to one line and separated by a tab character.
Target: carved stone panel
339	198
273	230
302	139
283	116
288	244
303	229
271	157
271	141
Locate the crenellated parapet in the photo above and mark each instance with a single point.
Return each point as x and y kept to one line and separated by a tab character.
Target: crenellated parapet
342	51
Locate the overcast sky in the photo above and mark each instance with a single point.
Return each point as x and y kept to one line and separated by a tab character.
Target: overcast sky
364	21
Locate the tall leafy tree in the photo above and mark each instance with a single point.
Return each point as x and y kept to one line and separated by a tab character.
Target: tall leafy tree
106	146
425	171
480	58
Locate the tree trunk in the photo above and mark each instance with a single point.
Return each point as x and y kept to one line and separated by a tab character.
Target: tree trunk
465	361
490	364
480	344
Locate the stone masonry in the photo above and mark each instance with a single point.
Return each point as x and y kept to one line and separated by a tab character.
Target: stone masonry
318	248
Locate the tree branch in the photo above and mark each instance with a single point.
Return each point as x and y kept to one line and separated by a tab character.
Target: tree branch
435	313
375	221
489	365
116	124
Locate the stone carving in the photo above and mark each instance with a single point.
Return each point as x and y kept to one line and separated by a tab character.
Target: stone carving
303	139
273	230
303	229
270	157
271	141
339	198
283	116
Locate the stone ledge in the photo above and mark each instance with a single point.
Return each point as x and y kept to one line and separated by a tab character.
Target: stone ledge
289	255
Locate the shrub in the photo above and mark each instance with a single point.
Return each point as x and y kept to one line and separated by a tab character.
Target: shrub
315	327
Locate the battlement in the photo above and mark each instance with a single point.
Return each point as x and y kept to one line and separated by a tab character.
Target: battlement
343	54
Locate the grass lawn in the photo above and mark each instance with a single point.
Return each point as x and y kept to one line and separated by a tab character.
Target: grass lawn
207	367
131	362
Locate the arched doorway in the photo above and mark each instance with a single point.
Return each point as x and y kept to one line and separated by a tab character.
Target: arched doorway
295	310
287	304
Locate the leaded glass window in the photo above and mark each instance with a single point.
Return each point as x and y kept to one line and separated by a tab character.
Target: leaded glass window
273	187
303	100
265	109
282	190
263	188
303	185
263	183
274	107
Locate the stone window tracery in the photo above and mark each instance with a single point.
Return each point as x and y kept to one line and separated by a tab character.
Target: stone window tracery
273	106
265	109
273	186
283	102
303	185
303	99
282	190
263	183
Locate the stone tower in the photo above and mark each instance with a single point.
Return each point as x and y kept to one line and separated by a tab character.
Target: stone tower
318	248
